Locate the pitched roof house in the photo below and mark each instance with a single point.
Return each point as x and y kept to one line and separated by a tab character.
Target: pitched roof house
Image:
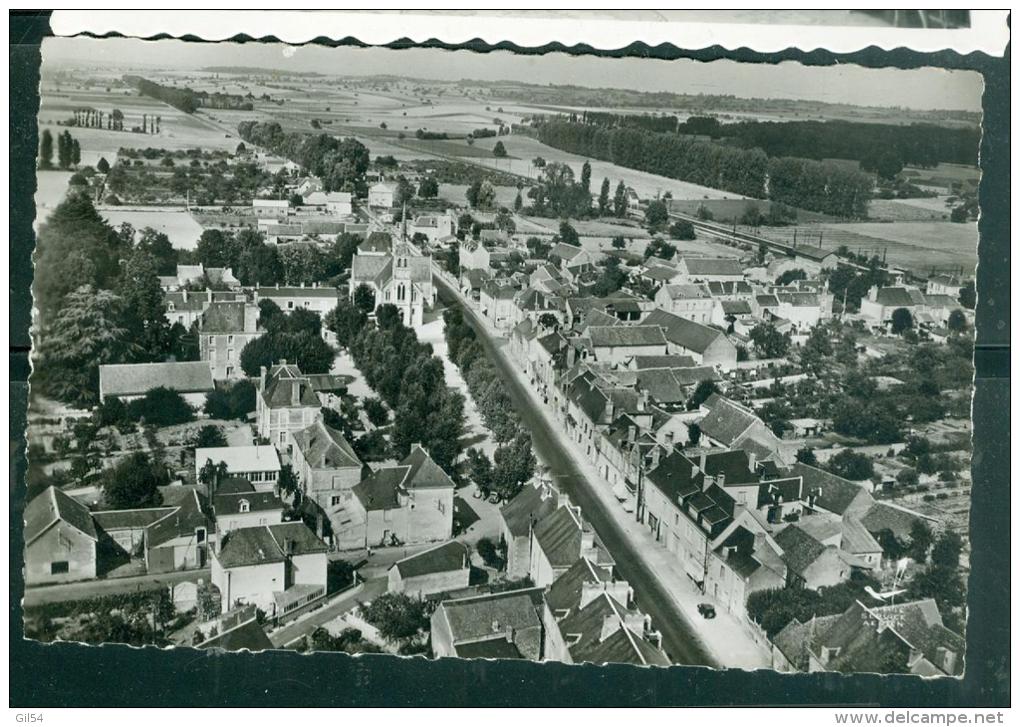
60	539
507	625
440	569
192	379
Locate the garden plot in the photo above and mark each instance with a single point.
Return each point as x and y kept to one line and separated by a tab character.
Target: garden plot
178	225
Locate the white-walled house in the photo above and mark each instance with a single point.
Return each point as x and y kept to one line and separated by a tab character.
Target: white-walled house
277	568
259	464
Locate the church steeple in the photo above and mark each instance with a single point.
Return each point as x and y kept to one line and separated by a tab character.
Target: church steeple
403	223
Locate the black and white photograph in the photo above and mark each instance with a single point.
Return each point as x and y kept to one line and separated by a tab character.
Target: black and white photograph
432	353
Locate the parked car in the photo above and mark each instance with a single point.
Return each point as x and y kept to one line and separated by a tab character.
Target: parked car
707	610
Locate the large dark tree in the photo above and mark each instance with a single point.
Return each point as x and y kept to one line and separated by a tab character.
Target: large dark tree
87	332
133	483
46	150
144	306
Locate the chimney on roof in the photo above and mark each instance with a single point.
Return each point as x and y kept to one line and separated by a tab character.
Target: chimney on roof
642	401
752	462
631	433
184	295
610	409
720	479
208	294
262	378
759	541
655	457
669	440
702	460
295	393
945	659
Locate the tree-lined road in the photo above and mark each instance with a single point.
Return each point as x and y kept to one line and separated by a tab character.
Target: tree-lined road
678	637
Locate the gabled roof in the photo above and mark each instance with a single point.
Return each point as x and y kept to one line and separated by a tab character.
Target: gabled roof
735	307
449	556
856	538
685	291
663	362
371	267
800	550
497	647
381	489
377	242
726	419
713	266
794	639
624	646
559	536
899	297
489	616
531	505
729	287
229	503
182	522
734	465
836	494
612	336
135	519
660	273
661	385
676	477
564	251
136	379
886	516
282	383
814	253
583	632
268	544
224	317
424	472
790	489
565	592
688	334
52	505
325	448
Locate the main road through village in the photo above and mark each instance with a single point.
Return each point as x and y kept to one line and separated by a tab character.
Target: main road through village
678	637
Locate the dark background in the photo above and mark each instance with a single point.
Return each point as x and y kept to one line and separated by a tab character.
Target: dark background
70	675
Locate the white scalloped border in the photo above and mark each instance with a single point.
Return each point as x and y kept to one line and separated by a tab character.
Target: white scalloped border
605	30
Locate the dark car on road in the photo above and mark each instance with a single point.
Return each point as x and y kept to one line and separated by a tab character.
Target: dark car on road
707	610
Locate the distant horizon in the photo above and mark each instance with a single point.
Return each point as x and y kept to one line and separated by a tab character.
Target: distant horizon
923	89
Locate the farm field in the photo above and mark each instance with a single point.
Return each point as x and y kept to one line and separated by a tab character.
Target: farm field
726	210
455	194
917	246
923	209
178	225
51	186
593	228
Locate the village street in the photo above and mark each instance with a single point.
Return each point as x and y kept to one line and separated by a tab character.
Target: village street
38	595
662	589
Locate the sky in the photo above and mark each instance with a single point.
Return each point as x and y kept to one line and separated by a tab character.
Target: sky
925	88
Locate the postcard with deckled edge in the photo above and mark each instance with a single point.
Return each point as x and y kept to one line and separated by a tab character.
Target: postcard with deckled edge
554	358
